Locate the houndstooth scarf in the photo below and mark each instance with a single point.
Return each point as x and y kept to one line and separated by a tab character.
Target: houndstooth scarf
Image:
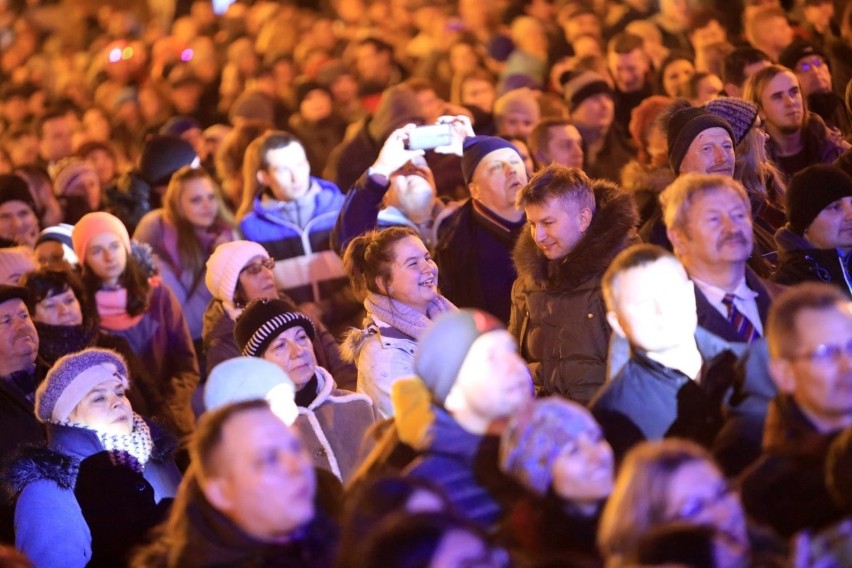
131	450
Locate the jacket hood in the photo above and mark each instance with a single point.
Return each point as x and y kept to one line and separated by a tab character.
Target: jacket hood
788	241
613	228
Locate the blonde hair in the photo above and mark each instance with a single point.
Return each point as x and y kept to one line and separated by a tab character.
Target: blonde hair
677	199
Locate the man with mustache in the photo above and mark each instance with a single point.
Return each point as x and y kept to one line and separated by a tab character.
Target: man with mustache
700	142
20	373
816	241
708	221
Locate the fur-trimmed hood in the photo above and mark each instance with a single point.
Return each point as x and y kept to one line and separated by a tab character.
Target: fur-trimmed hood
613	228
637	177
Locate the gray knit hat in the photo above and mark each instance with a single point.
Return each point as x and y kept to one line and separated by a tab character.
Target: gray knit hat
684	126
263	320
444	345
537	435
68	382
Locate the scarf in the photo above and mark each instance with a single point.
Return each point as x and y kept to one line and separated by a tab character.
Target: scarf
402	317
54	341
130	450
112	308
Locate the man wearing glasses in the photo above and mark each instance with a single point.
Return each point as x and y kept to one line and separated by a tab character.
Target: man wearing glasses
809	332
811	68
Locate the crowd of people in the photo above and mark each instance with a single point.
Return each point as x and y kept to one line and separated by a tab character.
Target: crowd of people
420	283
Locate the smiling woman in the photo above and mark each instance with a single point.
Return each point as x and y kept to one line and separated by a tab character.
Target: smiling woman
394	273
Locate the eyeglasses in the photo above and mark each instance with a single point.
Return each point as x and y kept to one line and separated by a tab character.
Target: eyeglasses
826	353
255	268
814	64
695	507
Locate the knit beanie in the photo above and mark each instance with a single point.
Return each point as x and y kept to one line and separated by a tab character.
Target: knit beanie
444	345
263	320
581	85
304	88
813	189
91	225
251	378
536	436
253	105
14	188
177	125
789	58
226	263
162	156
684	125
475	148
518	101
14	263
69	171
70	380
740	115
61	234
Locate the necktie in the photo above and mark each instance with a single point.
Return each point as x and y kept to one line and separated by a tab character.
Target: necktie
744	328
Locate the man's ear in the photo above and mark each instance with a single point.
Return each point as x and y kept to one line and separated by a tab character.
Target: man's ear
585	215
678	239
473	188
216	491
783	375
612	319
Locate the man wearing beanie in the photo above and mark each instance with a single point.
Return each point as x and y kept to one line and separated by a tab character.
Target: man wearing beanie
577	226
592	110
815	243
335	420
477	380
516	113
475	242
18	220
700	142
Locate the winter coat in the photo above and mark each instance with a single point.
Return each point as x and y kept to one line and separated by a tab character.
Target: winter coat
363	211
334	424
647	401
203	537
474	254
161	339
220	345
465	467
821	144
306	268
800	262
558	313
786	488
382	354
189	289
74	507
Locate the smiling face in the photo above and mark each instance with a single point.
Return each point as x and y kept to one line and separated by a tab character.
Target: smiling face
583	471
413	275
557	225
107	257
628	70
711	152
105	408
832	228
498	178
293	351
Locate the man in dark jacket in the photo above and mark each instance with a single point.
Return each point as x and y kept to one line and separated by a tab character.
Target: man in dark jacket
576	227
810	343
680	379
817	239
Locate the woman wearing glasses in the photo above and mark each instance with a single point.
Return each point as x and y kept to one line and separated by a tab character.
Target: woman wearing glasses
237	273
183	234
672	482
135	306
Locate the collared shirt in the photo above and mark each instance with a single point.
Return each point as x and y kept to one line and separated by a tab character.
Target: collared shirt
745	300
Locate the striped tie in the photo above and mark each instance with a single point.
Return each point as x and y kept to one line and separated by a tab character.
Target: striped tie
744	328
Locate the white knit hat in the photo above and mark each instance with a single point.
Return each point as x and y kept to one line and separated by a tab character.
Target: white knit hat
224	267
250	378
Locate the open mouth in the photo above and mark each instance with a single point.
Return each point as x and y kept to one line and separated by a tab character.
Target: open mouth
428	283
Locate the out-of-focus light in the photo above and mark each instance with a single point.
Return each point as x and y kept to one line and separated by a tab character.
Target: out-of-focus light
127	53
115	55
186	55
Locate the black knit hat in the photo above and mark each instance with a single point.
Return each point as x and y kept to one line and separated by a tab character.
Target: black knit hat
477	147
813	189
304	88
581	85
684	125
162	156
797	50
263	320
14	188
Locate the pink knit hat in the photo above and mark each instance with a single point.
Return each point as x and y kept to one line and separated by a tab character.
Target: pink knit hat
224	267
93	224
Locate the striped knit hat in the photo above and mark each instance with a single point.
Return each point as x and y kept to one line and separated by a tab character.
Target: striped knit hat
262	321
581	85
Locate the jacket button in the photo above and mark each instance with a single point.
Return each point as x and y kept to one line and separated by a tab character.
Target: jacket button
590	316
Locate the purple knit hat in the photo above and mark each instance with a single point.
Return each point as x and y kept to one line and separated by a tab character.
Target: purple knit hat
67	382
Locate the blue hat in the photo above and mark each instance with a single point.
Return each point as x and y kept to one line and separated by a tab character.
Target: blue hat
476	148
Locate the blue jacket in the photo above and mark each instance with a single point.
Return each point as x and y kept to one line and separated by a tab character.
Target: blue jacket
306	268
53	524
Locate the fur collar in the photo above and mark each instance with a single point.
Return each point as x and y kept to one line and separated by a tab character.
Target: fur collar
613	228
